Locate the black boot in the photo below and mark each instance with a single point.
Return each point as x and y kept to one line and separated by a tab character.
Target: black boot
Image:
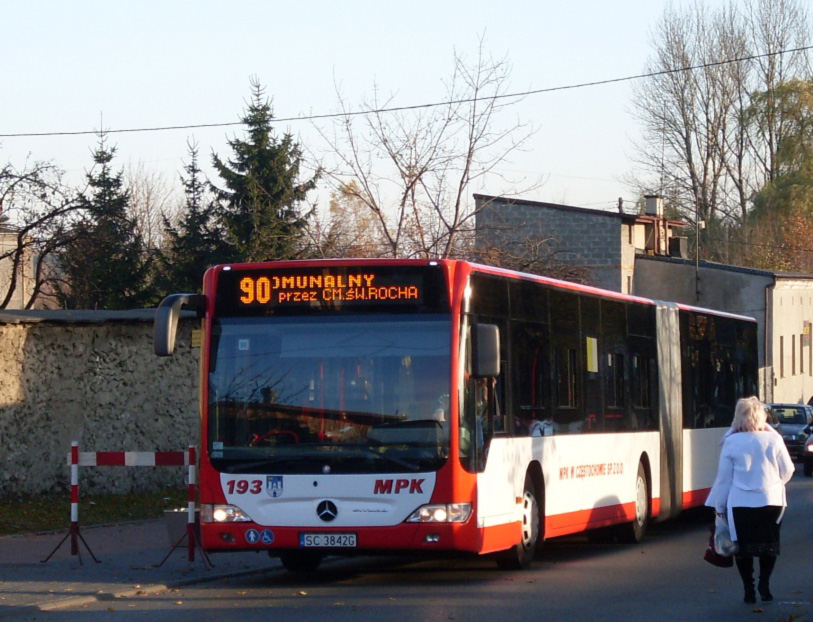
766	564
746	567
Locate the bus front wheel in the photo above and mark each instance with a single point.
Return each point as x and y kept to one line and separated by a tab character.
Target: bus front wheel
634	531
521	554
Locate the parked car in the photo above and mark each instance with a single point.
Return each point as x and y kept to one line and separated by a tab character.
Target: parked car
795	426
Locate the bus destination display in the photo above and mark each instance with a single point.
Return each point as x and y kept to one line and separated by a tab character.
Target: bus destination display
325	289
319	288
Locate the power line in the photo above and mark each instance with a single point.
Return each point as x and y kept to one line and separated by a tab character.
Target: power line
337	115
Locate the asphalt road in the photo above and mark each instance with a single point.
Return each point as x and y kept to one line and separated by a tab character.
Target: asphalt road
663	579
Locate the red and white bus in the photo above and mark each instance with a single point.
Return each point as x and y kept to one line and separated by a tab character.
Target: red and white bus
371	406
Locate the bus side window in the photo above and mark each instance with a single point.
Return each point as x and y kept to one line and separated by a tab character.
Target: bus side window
567	412
616	414
643	392
531	377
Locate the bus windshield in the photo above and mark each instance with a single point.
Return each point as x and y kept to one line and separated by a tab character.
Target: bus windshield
345	395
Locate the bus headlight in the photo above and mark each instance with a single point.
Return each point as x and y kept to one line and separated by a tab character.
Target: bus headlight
441	513
222	514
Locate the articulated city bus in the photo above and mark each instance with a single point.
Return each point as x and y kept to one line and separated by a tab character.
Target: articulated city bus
372	406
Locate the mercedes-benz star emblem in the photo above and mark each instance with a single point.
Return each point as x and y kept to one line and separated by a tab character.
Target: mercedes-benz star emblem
327	511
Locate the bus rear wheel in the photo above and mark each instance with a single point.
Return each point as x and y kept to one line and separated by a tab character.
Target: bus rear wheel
521	554
634	531
300	561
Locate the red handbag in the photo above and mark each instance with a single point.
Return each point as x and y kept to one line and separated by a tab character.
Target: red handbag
713	557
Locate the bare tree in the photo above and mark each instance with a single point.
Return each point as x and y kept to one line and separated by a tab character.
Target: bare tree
350	229
773	33
685	114
151	199
779	30
701	147
36	210
412	169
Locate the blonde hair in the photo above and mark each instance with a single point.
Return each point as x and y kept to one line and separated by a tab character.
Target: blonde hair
749	415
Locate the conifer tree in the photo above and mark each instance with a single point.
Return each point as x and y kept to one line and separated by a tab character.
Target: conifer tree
104	266
260	205
195	242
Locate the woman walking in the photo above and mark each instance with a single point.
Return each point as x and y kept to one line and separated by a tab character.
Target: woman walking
750	491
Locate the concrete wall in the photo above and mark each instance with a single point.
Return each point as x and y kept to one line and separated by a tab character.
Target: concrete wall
99	384
726	288
24	282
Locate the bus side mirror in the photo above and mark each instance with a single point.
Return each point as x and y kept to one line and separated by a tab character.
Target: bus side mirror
166	320
486	351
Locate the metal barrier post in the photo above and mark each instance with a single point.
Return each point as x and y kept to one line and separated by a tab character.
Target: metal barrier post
190	523
73	531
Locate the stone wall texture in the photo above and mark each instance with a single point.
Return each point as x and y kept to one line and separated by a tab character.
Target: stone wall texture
101	385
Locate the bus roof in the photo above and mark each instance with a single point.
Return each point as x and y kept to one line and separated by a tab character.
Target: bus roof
454	264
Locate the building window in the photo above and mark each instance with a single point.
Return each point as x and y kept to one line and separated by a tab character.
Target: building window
793	355
781	357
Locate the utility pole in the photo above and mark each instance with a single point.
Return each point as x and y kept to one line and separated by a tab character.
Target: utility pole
698	226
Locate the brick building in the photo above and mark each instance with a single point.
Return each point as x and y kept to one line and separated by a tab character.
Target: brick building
603	242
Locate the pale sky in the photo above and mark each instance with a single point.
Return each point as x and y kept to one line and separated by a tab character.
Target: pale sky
71	66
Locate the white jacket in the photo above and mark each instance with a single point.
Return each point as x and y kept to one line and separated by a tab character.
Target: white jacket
754	468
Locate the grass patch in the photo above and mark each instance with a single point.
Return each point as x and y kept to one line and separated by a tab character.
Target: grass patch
27	514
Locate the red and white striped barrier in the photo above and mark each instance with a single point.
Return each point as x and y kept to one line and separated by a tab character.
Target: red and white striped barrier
133	458
130	459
